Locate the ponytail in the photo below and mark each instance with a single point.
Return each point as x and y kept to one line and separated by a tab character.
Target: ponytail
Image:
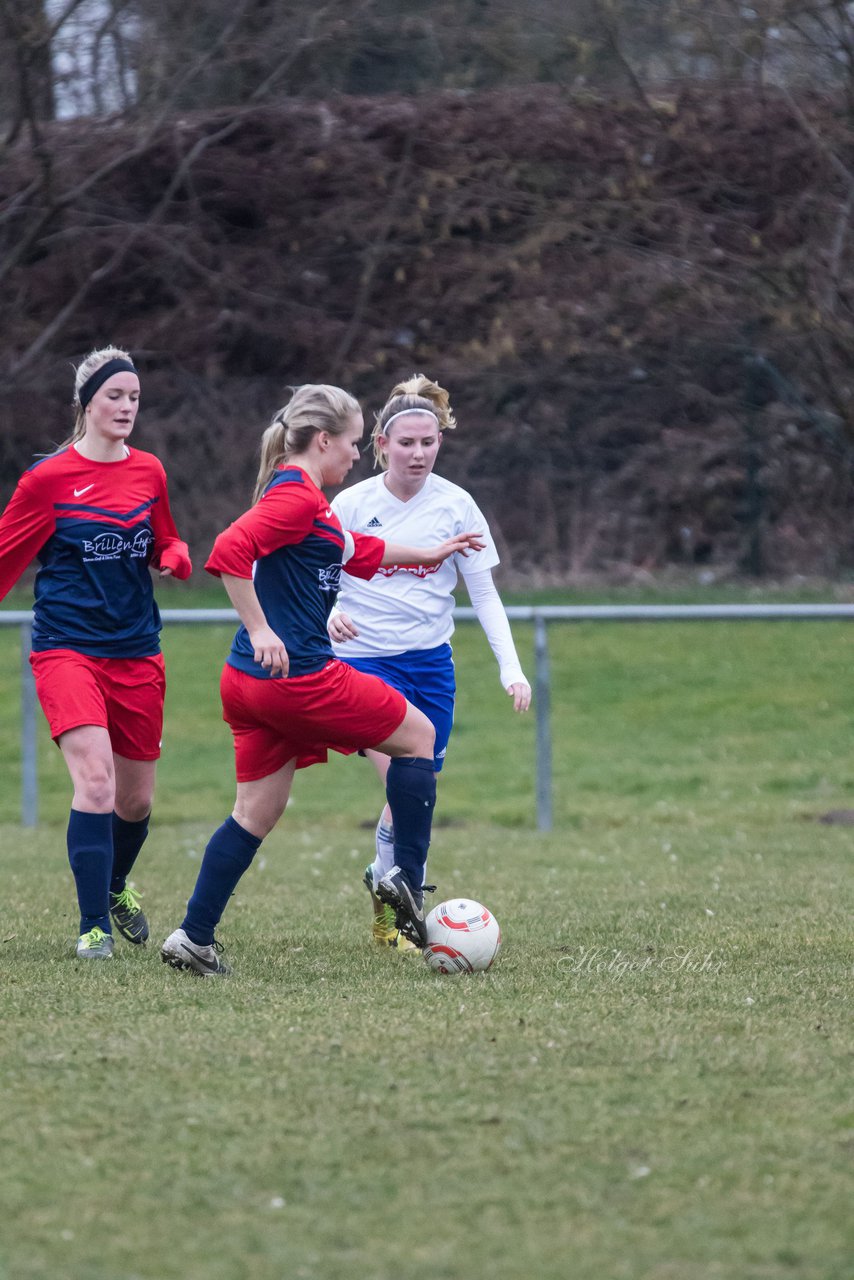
312	408
273	454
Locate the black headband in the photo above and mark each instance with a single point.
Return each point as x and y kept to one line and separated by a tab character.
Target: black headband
100	376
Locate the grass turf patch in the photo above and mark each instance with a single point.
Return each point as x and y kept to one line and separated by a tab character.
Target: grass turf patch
653	1083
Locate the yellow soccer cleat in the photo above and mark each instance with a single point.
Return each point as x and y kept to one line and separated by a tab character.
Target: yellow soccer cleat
385	932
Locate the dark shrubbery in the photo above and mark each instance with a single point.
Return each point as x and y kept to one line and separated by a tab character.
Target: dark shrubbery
592	280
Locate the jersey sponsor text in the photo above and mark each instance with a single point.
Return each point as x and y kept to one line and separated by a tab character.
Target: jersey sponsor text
417	570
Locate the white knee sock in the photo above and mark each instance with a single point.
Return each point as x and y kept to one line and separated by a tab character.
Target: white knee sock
384	860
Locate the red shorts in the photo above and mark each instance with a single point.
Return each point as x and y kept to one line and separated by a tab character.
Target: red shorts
122	695
335	709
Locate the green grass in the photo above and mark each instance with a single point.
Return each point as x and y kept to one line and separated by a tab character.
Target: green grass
653	1083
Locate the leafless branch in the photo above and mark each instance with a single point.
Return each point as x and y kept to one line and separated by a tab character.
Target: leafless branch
114	261
612	39
837	248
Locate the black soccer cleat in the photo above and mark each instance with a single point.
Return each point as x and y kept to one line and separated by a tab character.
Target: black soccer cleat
128	916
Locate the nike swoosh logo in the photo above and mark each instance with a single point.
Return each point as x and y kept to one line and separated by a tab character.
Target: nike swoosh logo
329	513
78	493
213	965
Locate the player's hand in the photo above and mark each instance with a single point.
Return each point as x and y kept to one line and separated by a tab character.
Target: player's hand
269	651
462	543
175	562
341	627
521	695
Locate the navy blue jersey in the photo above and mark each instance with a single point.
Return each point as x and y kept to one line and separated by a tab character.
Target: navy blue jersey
95	528
297	547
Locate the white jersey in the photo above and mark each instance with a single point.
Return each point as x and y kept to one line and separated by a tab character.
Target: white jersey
403	608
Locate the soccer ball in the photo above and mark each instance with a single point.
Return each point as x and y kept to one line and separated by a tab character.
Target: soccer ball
462	937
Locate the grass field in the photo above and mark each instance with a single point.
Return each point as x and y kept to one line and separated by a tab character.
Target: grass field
653	1083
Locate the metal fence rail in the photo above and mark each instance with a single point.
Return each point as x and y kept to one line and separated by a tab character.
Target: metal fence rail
540	615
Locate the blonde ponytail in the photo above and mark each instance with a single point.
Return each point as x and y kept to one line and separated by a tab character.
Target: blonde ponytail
273	453
312	407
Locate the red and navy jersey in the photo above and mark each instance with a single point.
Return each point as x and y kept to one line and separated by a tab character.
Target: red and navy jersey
95	528
296	546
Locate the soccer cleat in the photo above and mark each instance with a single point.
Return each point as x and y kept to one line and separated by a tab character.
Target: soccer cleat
95	945
181	953
384	930
128	916
407	904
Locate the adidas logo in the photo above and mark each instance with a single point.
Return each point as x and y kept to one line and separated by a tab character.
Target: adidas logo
374	524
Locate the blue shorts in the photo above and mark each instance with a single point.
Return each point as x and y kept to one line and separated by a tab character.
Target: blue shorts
425	677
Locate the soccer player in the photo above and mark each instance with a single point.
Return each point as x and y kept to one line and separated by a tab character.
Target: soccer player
285	696
96	513
398	623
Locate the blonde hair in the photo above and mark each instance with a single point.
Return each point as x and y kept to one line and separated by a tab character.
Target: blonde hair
417	392
82	374
313	407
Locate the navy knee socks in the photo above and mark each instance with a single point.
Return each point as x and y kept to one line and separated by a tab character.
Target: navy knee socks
411	793
229	852
128	839
90	853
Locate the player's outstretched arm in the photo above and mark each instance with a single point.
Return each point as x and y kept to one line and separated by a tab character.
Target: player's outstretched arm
269	649
462	543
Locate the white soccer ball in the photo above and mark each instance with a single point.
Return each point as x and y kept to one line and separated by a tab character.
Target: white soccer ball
462	937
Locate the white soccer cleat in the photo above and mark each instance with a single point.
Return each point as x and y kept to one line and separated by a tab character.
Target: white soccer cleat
179	952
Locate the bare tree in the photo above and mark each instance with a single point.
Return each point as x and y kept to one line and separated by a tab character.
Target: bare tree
25	39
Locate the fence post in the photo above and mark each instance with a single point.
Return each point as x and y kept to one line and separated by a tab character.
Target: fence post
29	770
542	704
